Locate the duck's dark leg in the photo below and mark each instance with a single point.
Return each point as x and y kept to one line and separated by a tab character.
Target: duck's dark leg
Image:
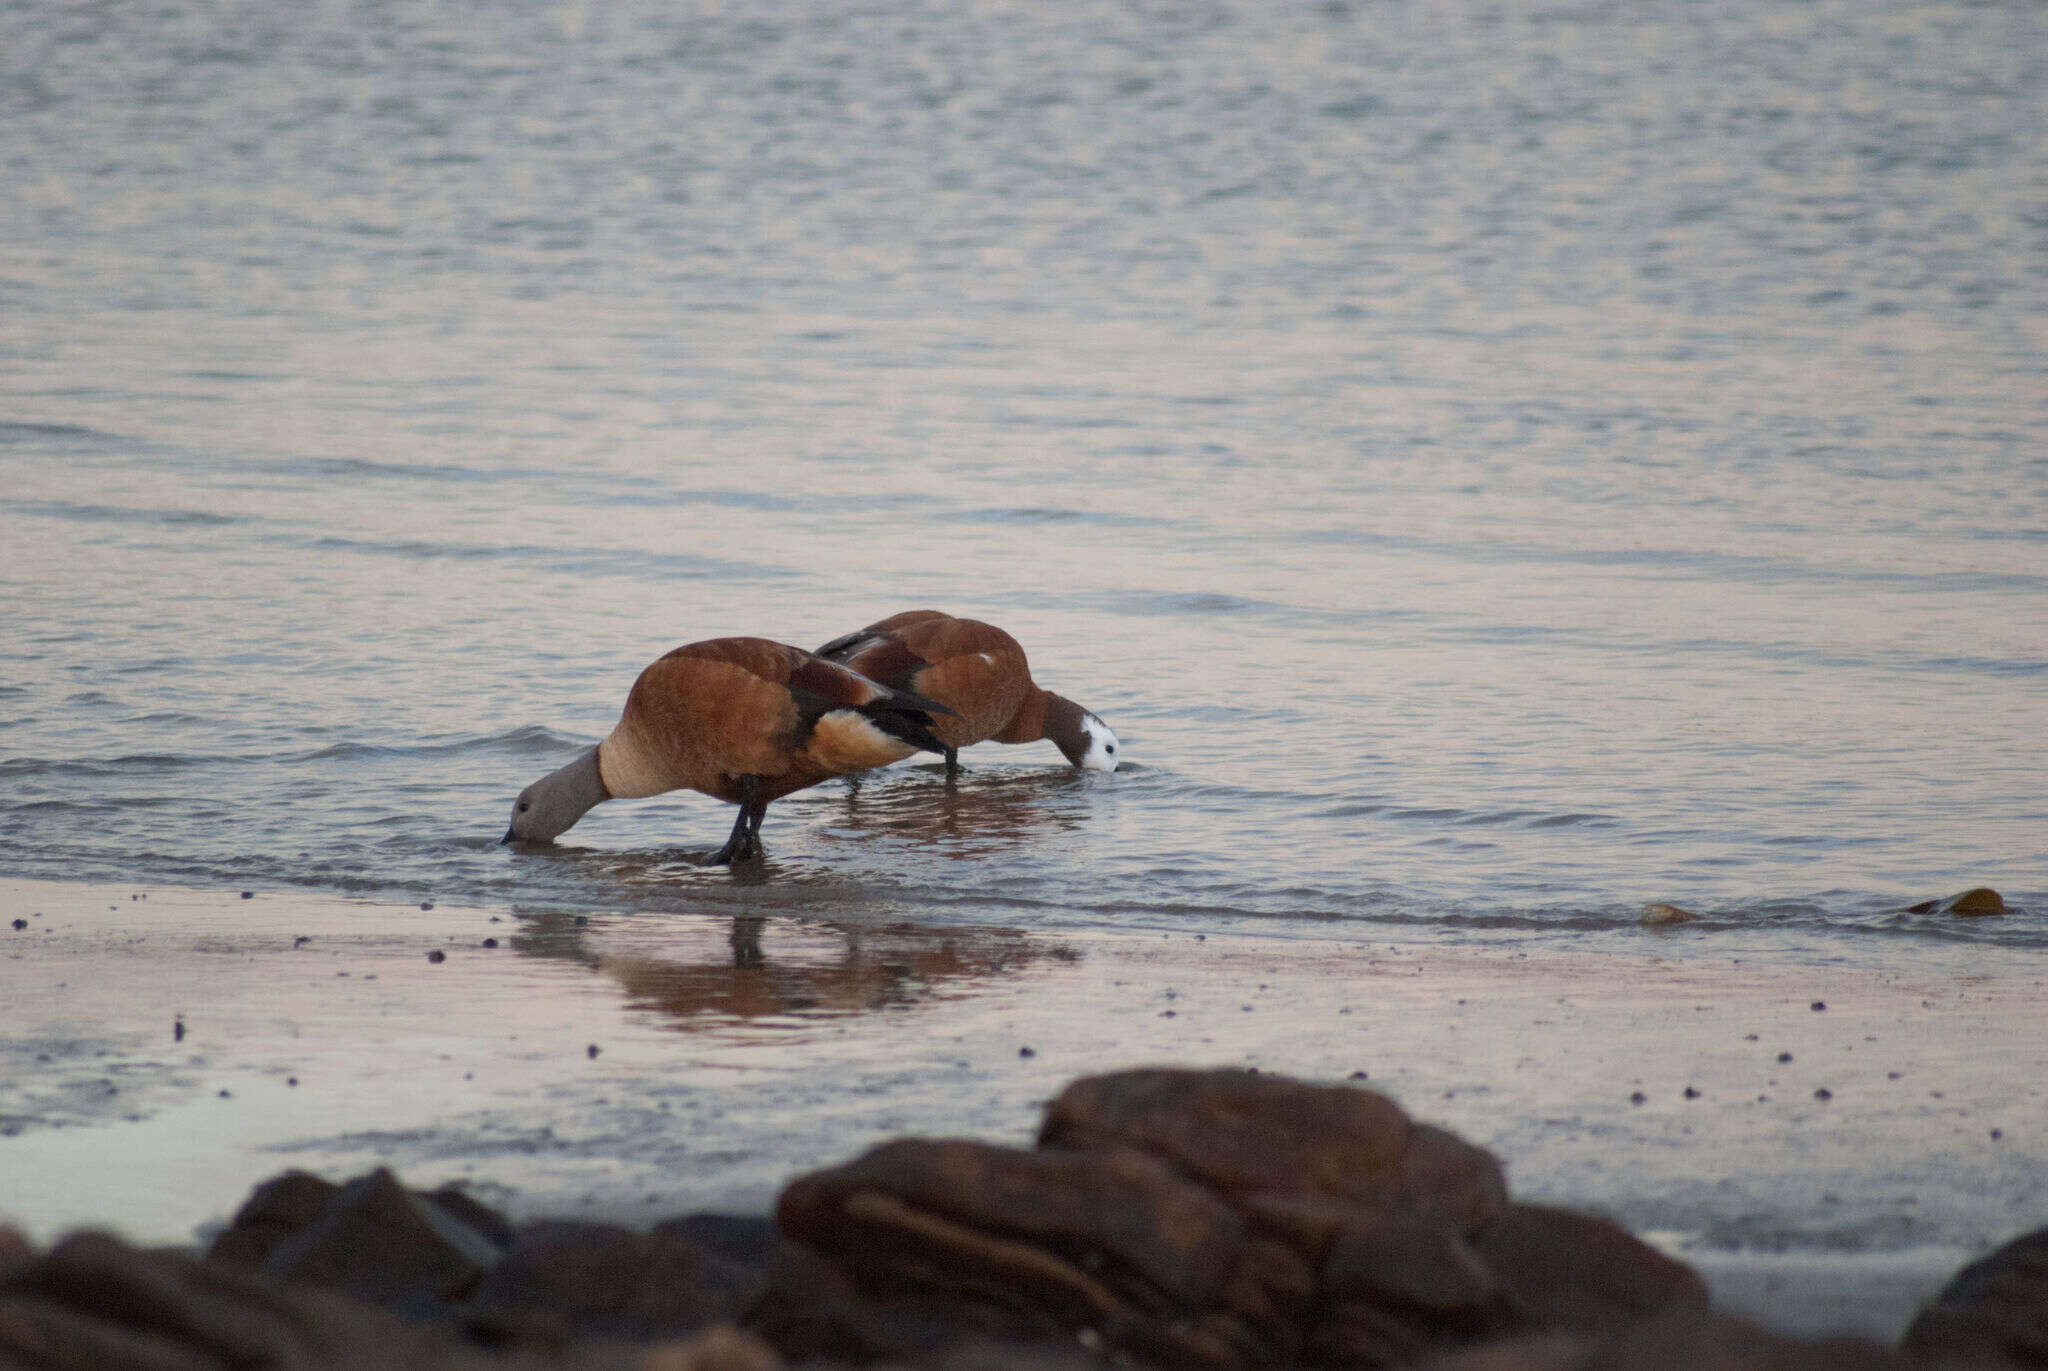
952	762
745	840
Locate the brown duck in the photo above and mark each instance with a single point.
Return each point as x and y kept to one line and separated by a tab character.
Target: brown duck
745	720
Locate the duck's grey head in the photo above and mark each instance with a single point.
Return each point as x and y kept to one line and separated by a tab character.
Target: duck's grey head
551	806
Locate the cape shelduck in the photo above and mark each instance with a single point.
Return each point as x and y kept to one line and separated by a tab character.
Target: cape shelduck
979	673
743	719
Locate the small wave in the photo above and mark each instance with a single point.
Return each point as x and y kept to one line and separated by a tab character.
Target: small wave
1052	514
525	741
59	509
1351	809
1574	821
1190	602
529	740
568	560
27	435
1731	566
717	499
1502	816
94	807
137	763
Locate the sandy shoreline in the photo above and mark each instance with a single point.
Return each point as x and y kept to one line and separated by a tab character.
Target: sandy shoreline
165	1049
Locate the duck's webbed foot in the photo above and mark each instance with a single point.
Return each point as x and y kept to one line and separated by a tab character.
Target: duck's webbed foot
744	843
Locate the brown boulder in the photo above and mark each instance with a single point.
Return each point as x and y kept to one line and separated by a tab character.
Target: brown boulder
1110	1243
387	1245
275	1210
562	1280
94	1303
1691	1339
1682	1339
1248	1133
1398	1287
1573	1272
1995	1311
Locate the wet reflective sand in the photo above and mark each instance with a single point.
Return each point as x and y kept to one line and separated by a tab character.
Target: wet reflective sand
732	1054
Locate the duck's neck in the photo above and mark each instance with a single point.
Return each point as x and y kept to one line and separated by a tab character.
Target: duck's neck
625	766
1027	725
1063	725
1054	717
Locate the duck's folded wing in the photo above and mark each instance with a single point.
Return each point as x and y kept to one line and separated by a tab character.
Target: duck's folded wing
820	685
837	649
984	689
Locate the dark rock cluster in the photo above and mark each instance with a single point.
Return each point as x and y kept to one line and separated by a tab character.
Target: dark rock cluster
1197	1220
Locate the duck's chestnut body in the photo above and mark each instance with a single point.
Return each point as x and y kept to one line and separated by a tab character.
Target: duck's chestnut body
980	674
746	720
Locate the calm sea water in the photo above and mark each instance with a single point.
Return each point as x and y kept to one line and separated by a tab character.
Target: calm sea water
1494	464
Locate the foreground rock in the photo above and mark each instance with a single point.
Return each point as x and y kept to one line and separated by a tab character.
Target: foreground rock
93	1303
1212	1220
1995	1311
1216	1219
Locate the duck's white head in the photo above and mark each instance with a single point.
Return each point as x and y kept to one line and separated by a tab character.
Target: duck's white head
1087	741
1101	752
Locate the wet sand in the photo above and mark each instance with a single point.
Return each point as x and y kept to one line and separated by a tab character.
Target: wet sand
163	1049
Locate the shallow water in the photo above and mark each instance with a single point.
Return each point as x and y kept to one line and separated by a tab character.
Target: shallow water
1494	466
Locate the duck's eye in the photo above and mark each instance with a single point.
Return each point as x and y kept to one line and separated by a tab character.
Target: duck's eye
525	805
1111	748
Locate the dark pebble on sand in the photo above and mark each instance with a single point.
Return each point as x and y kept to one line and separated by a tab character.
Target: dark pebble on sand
1823	1094
1638	1097
301	940
1819	1005
490	942
1166	1013
1784	1056
1027	1052
291	1080
1358	1076
426	904
248	894
1691	1093
582	919
592	1051
20	924
226	1095
177	1030
1996	1134
437	955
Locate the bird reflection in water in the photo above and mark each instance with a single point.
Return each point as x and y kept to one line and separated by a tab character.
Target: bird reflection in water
703	971
972	816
